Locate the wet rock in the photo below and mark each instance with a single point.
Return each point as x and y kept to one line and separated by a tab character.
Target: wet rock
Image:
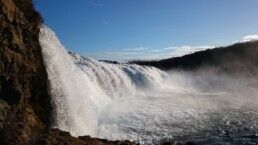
4	110
56	136
175	143
1	67
190	143
21	127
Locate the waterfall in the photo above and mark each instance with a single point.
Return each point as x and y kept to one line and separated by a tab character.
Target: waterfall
82	87
144	104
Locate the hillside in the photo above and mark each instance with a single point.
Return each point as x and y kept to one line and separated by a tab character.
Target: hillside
239	57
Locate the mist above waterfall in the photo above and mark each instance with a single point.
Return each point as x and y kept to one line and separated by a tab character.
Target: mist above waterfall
146	104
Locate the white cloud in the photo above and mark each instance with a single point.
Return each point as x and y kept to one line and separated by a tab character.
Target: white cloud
144	53
249	38
183	50
137	49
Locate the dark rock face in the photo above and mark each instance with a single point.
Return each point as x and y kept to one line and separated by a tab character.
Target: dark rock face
25	103
22	73
23	83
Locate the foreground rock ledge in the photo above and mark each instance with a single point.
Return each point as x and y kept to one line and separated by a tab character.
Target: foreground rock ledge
25	108
55	136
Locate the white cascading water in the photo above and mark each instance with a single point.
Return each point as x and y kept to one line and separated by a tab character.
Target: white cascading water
82	87
143	104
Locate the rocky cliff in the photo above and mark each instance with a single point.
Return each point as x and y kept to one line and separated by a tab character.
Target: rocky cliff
25	103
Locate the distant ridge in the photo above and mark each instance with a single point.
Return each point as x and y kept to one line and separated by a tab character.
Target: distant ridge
240	57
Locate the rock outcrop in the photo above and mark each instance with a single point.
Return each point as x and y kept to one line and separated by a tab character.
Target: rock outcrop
57	137
25	102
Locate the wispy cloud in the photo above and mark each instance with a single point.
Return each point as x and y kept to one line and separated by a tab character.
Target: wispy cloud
93	3
183	50
147	53
137	49
249	38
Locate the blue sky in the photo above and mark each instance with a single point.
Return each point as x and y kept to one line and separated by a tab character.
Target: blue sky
147	29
